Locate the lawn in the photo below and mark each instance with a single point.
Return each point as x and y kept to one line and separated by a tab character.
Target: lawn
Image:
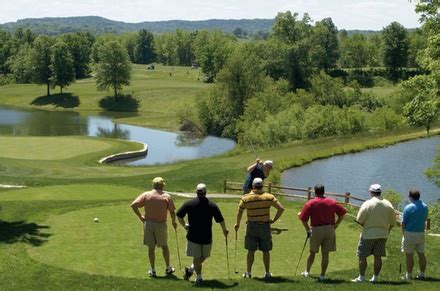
161	92
48	239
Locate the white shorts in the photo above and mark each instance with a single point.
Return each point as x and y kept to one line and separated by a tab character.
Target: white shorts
413	241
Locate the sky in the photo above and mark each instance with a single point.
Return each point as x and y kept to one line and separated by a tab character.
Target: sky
346	14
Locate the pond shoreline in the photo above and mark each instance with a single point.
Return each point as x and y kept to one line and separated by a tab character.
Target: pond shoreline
338	172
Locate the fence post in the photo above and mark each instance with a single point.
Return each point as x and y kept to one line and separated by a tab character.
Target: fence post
309	193
428	224
225	182
270	187
347	197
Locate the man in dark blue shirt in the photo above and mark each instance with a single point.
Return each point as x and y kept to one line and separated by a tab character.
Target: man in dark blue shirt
256	170
200	212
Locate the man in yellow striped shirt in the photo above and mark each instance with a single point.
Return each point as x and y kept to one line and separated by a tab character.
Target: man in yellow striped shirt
258	236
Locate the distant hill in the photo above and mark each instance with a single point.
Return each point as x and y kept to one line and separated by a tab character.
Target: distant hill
99	25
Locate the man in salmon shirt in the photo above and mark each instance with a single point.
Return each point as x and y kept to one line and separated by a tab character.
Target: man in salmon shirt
156	203
321	211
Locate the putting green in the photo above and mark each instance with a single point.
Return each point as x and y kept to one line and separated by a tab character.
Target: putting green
114	247
49	148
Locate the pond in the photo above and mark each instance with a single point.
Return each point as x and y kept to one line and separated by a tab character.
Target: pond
163	146
398	167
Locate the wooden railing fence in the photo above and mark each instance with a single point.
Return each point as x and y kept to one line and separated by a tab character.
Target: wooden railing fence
346	199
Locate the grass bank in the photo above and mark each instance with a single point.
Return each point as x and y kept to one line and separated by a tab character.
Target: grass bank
160	92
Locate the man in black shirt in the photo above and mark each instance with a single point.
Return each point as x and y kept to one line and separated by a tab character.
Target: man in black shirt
199	227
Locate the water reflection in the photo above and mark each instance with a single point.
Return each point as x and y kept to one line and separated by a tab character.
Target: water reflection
115	132
164	147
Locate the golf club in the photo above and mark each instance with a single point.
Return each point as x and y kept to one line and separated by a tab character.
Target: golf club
235	254
178	251
252	146
227	256
296	270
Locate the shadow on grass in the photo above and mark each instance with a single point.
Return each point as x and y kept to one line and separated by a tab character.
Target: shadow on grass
216	284
275	230
276	280
19	231
65	100
332	281
428	279
126	103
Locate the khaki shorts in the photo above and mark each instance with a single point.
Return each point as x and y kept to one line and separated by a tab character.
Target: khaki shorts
413	241
258	236
375	247
155	234
323	236
198	250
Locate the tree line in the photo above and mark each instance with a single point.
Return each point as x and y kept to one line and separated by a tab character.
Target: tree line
308	73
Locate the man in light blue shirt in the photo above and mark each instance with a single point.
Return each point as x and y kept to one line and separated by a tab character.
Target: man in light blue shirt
415	215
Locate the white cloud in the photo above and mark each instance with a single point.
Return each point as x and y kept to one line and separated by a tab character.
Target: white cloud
348	14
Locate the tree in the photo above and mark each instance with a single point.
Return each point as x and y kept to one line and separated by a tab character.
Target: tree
423	106
395	48
79	45
113	69
325	45
21	65
421	112
41	61
295	35
61	66
144	48
355	51
212	49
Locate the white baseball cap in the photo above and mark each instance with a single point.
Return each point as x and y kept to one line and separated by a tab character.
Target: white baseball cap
257	182
201	187
375	188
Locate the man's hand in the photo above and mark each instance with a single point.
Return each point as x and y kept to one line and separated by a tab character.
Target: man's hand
142	218
257	161
236	226
225	232
309	233
186	226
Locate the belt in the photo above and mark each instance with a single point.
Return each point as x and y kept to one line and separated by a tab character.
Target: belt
322	224
258	222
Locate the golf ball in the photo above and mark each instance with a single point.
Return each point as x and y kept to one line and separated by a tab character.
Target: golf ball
96	219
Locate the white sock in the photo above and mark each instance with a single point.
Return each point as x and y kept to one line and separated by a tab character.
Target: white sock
362	278
374	278
408	275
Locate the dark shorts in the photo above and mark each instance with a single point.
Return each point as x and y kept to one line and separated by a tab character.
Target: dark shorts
375	247
258	237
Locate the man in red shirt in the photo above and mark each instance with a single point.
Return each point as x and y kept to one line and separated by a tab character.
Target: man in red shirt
321	211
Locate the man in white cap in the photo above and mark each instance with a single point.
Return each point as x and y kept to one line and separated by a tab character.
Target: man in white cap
258	235
257	170
156	204
200	212
377	218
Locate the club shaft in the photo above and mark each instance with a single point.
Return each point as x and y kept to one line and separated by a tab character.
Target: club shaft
178	251
297	265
